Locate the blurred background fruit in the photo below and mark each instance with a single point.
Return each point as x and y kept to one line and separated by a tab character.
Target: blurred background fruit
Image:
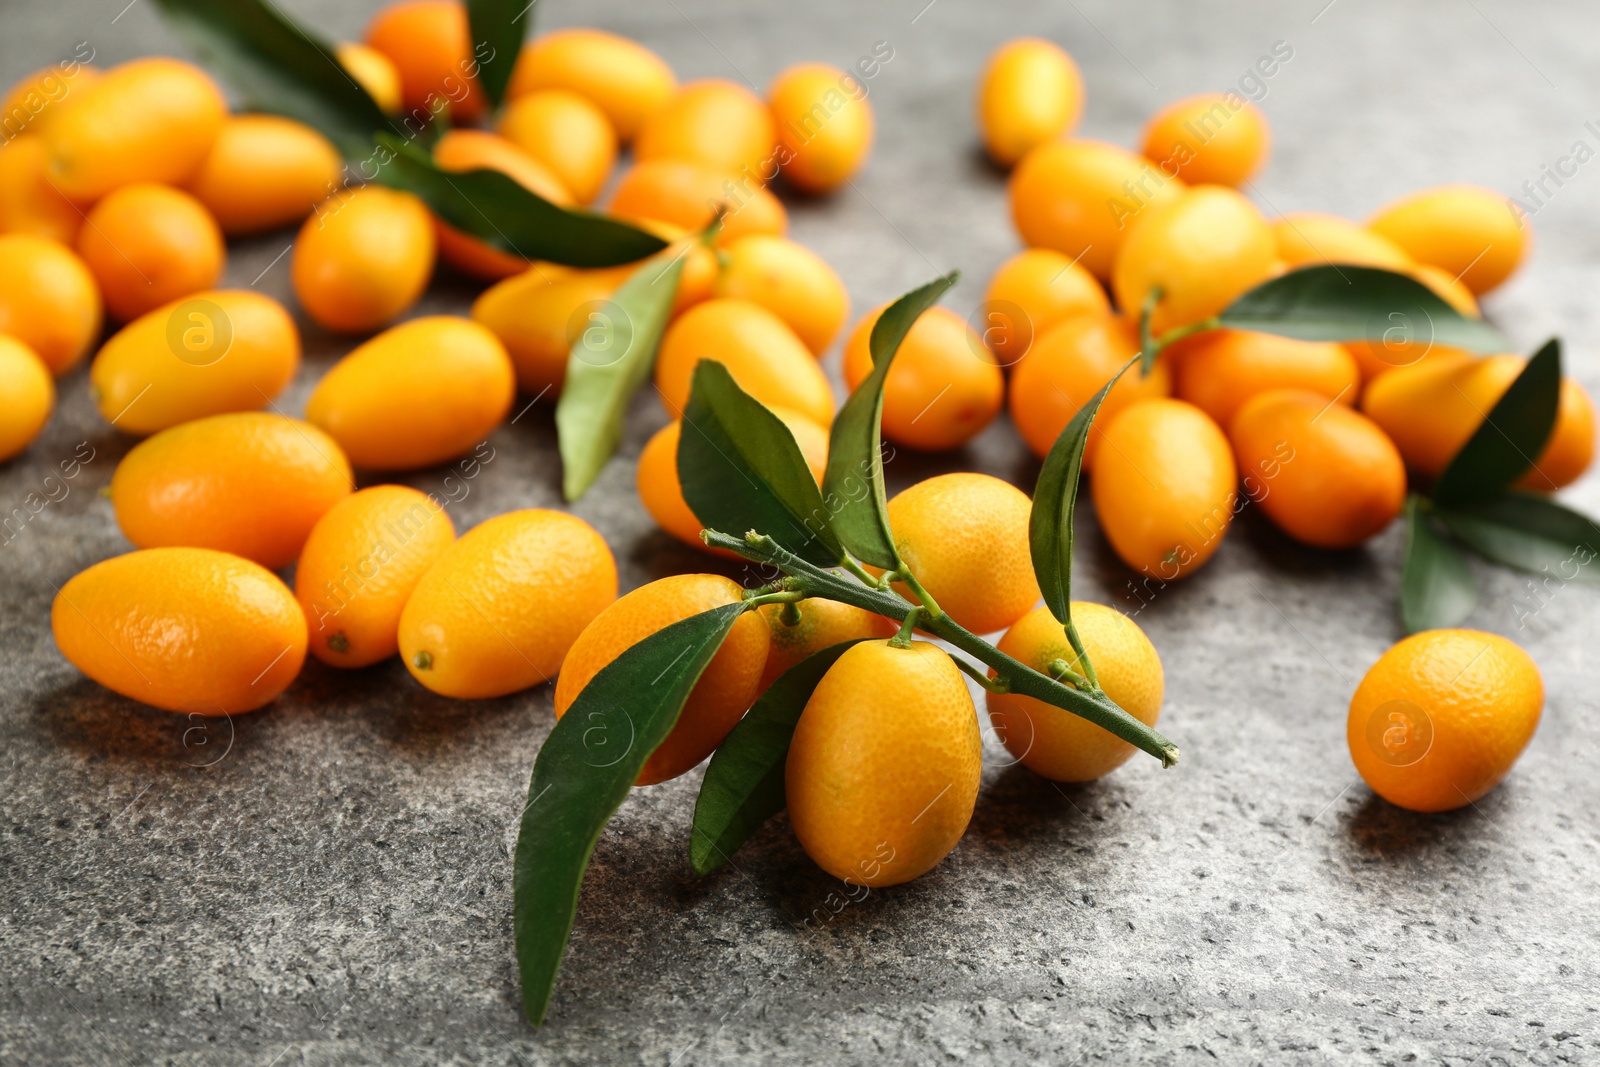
1325	474
623	78
1469	232
823	125
430	45
1080	198
943	387
1030	92
416	395
363	258
48	300
265	172
218	351
147	245
1163	484
147	120
27	396
1212	138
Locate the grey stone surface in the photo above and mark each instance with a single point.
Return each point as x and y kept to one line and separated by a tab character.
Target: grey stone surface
328	881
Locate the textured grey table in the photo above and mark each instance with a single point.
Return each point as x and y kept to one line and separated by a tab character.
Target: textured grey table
328	881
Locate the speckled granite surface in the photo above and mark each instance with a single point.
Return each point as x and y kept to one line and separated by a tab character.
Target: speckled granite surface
328	881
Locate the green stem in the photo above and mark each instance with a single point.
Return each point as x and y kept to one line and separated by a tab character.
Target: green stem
1018	676
909	624
1148	348
1083	655
925	598
993	685
1178	333
788	596
860	572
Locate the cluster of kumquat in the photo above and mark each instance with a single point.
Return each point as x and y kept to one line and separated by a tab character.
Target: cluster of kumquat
119	189
1320	435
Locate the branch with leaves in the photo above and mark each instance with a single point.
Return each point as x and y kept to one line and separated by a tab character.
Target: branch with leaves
745	479
820	540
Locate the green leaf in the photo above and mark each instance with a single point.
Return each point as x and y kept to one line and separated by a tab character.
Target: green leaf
610	359
1514	432
853	486
498	27
1530	532
741	470
280	68
1331	302
1054	498
743	786
491	206
584	771
1437	589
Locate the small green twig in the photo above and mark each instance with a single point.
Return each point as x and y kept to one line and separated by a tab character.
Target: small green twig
861	572
789	597
1022	679
1148	348
996	684
930	606
1083	656
1178	333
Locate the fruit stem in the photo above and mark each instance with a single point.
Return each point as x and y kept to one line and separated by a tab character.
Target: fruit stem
929	605
708	236
907	625
1019	678
1083	656
996	684
1178	333
790	615
1149	349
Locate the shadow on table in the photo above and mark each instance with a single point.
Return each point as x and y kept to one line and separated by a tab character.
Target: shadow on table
385	702
84	717
1380	830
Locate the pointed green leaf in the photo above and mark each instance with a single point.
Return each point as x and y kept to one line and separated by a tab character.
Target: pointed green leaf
278	67
1530	532
498	28
492	207
611	357
1437	589
584	771
743	786
1333	302
1054	497
741	470
853	487
1511	435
